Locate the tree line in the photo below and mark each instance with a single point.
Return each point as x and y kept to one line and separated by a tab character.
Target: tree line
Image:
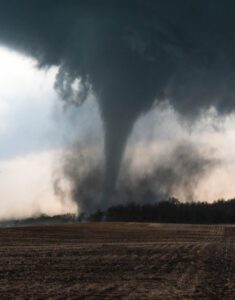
171	211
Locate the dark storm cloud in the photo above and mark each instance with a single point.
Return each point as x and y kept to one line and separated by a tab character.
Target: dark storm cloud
130	53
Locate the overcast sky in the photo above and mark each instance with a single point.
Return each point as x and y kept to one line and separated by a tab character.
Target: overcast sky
29	138
26	101
34	130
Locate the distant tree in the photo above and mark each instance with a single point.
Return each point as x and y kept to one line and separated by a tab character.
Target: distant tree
171	211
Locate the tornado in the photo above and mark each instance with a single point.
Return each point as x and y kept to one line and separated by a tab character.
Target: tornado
130	54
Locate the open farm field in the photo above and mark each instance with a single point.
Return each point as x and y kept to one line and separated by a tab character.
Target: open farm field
118	261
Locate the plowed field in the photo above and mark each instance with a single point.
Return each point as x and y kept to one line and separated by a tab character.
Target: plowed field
118	261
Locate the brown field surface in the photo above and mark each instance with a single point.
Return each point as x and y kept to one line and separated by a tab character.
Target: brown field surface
118	261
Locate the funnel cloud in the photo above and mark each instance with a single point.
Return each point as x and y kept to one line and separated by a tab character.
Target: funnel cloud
177	172
129	54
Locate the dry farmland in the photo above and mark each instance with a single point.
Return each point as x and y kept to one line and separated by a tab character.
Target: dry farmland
118	261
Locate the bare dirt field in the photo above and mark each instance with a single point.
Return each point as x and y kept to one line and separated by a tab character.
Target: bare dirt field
118	261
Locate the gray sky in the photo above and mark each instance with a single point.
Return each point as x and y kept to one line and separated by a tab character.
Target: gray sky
29	138
126	55
34	130
26	100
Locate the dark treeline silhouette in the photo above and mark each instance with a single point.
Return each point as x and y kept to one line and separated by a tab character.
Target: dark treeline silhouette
171	211
40	220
